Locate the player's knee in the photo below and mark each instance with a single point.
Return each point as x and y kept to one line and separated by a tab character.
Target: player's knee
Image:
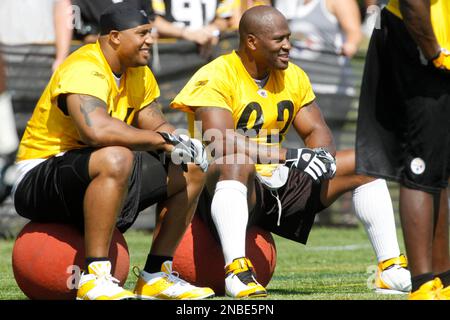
361	180
117	162
242	172
230	169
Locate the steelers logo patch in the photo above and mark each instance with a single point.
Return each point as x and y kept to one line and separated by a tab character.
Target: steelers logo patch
262	93
417	166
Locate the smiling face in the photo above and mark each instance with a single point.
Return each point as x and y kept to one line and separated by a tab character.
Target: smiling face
135	46
264	38
272	43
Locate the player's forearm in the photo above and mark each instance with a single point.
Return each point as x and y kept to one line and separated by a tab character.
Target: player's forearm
416	16
321	137
117	133
236	143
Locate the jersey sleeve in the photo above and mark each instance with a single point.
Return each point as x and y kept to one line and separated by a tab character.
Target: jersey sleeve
209	87
83	78
151	88
305	92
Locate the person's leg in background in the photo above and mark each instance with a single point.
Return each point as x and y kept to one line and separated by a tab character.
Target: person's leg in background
8	137
373	207
440	257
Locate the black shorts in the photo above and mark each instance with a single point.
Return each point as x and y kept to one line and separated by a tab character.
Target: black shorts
300	201
53	191
403	131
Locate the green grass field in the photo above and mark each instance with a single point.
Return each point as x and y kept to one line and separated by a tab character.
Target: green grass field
333	266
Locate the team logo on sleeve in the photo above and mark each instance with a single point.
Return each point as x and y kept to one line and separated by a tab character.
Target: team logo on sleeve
417	166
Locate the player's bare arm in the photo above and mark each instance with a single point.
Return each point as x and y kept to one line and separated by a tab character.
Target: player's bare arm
228	141
417	18
312	128
152	118
98	129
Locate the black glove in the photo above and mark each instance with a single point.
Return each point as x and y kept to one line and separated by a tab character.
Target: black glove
318	163
186	150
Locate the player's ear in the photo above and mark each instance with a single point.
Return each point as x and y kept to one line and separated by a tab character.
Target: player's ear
114	37
251	41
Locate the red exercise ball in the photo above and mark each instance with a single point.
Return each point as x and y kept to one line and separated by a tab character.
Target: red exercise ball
48	259
199	258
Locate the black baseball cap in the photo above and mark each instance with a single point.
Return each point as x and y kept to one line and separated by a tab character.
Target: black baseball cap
121	16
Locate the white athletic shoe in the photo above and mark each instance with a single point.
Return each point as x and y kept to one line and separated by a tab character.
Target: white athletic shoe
99	284
240	280
393	277
166	285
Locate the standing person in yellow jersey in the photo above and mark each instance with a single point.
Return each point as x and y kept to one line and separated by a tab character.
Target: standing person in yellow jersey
245	102
90	156
403	131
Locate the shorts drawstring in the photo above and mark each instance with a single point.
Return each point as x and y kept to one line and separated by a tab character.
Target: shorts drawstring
276	196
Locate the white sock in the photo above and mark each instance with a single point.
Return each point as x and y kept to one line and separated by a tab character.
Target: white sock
229	212
8	133
373	206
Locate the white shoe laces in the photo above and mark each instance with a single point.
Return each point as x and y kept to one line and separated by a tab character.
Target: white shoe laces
175	278
108	281
274	194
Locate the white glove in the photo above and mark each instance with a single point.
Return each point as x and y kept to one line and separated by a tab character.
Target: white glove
318	163
329	161
200	158
186	150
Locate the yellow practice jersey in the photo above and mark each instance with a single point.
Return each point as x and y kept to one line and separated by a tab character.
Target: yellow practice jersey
440	19
267	112
86	71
